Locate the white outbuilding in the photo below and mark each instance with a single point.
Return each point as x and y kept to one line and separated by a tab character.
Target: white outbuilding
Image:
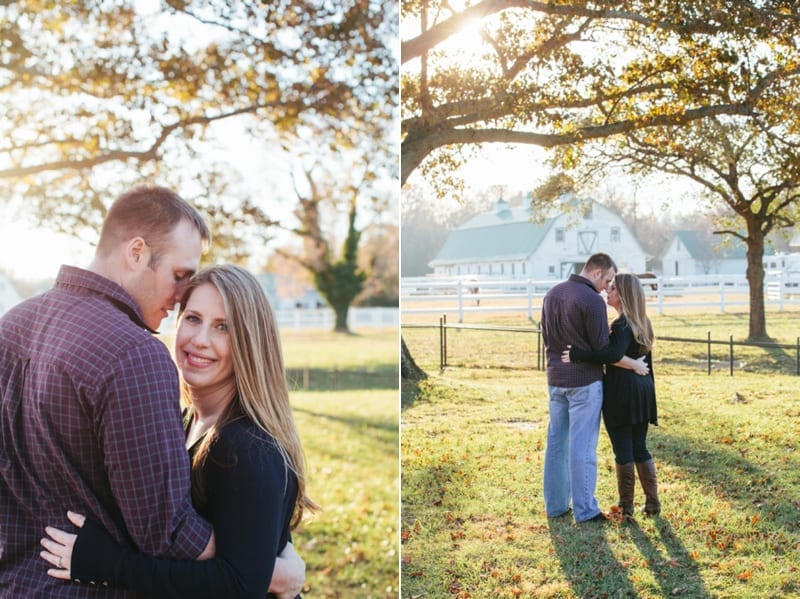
693	253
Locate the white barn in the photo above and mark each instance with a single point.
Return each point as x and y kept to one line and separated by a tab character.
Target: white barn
693	253
506	243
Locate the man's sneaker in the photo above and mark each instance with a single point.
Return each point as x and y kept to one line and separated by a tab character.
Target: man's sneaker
562	514
601	517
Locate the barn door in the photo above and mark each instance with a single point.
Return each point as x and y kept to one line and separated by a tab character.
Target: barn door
587	241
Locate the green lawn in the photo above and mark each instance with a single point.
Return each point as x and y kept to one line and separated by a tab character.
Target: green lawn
350	437
473	522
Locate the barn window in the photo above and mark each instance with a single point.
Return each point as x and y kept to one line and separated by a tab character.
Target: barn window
560	235
615	236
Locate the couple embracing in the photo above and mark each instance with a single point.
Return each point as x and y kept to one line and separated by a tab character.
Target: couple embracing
591	370
193	505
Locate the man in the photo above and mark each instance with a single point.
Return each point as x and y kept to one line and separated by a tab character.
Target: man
573	312
89	414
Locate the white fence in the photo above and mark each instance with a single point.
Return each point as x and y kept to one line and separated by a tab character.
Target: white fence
324	318
427	295
299	319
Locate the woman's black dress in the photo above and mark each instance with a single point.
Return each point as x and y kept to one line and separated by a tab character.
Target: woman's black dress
628	398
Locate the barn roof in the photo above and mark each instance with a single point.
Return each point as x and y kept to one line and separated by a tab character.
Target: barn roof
480	237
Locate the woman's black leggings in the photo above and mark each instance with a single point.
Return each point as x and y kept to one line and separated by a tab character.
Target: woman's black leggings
629	442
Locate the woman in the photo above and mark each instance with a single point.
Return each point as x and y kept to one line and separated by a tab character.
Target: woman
248	475
629	400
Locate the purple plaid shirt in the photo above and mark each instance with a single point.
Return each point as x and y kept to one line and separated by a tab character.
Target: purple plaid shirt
573	313
89	421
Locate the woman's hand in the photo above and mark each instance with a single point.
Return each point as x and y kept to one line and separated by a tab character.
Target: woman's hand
289	575
58	547
565	355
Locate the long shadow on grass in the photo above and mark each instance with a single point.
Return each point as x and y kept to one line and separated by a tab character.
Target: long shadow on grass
676	573
354	421
592	569
385	430
732	476
587	560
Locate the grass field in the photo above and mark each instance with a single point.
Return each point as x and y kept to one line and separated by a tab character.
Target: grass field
473	522
350	437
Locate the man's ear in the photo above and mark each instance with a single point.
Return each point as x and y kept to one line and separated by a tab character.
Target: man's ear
137	253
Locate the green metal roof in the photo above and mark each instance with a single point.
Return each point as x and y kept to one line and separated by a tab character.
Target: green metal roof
724	247
507	233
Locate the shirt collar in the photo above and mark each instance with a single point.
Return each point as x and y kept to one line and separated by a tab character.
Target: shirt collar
73	278
581	279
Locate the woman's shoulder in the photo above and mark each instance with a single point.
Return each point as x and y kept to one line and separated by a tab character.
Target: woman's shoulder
241	437
620	323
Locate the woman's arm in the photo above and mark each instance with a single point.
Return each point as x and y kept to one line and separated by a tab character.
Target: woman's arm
249	495
613	353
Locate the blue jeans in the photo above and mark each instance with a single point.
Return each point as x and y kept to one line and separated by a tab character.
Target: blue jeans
570	459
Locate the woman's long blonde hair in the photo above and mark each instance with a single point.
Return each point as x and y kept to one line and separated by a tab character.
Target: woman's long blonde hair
634	306
262	390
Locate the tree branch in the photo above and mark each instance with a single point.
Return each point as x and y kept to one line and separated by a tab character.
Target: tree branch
147	155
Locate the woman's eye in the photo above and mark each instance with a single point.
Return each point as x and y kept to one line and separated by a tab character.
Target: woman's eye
223	327
191	318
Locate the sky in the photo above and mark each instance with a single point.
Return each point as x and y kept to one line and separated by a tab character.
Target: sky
32	253
522	168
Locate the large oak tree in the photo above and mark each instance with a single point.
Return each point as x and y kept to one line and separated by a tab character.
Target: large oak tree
749	165
558	74
552	74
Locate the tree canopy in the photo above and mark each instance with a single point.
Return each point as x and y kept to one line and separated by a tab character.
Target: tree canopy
98	96
557	74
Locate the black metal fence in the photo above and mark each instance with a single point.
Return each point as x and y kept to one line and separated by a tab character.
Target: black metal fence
338	379
539	356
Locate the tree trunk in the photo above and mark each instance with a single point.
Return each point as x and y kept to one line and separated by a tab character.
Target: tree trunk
409	371
341	311
755	279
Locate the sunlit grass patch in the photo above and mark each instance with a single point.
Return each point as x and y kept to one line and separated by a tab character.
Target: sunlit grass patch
473	522
351	443
351	438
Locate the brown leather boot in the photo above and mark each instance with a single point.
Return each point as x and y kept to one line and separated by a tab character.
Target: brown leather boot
626	483
647	477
